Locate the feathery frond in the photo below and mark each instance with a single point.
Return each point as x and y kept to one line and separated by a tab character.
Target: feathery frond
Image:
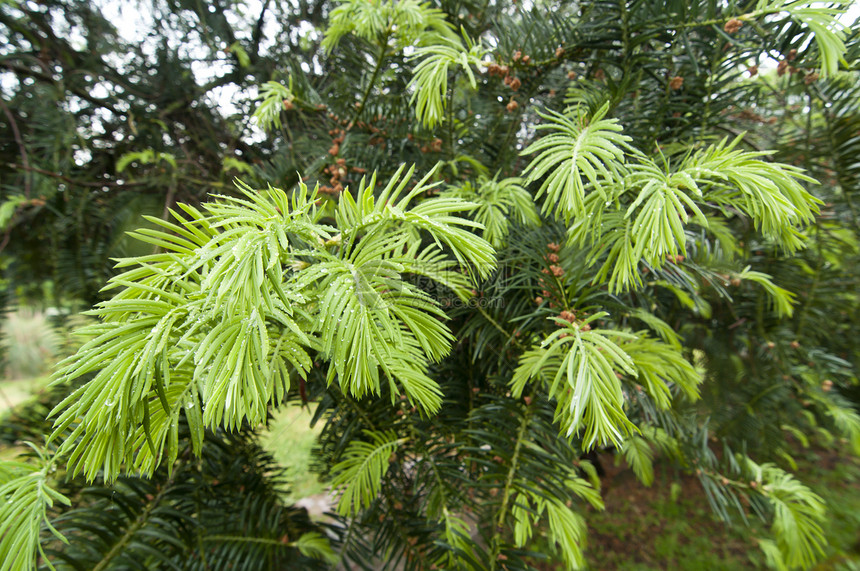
583	152
360	473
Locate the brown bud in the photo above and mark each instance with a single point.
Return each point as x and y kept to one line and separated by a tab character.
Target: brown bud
676	83
781	67
571	74
288	105
512	106
826	385
517	55
753	69
559	51
792	54
515	83
732	26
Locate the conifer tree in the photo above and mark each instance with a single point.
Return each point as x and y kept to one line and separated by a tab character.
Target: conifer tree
482	240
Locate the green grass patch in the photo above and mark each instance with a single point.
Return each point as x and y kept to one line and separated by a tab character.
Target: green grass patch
290	439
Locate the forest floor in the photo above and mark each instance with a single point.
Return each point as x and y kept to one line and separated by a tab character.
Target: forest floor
671	526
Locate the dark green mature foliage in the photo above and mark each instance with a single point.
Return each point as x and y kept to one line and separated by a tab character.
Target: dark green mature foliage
591	254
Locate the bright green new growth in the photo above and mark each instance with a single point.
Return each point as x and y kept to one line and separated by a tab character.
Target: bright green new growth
567	529
627	209
215	324
408	21
582	153
583	365
499	203
431	75
798	515
273	96
822	19
27	493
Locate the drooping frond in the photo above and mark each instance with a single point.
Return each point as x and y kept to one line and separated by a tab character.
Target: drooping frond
639	456
822	20
499	203
647	218
768	192
580	364
431	75
660	368
797	514
361	471
27	493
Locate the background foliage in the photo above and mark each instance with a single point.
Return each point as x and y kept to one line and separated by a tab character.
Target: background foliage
629	227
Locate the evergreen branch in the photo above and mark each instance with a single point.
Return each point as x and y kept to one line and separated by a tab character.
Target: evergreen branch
359	475
590	400
431	75
798	514
581	151
26	494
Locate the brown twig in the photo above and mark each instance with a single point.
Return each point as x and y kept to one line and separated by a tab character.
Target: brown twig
64	178
17	134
